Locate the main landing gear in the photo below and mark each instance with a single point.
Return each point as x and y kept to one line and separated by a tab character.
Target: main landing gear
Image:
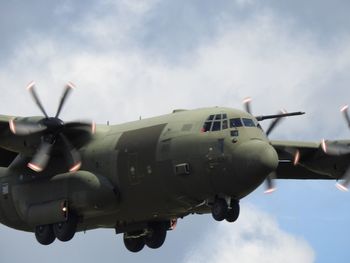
153	237
221	210
63	231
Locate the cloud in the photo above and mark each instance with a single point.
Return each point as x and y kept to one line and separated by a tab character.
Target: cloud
132	58
255	237
263	57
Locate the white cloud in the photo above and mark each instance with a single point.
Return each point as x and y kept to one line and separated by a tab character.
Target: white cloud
255	237
264	57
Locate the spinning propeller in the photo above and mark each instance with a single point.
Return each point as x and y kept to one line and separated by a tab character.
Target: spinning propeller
51	129
270	186
338	149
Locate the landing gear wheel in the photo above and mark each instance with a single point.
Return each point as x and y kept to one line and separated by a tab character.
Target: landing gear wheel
134	244
65	231
157	235
219	209
233	212
44	234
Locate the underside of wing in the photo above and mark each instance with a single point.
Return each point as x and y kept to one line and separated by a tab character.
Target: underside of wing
6	157
307	160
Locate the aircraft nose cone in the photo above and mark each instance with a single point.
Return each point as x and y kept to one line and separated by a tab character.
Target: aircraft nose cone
268	158
256	158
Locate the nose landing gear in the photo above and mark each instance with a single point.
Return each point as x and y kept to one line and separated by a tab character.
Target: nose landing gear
222	209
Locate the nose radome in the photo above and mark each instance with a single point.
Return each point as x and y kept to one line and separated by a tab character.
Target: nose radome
268	157
256	157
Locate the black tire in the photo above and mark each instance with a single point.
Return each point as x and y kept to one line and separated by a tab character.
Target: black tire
233	212
44	234
219	209
134	244
65	231
157	235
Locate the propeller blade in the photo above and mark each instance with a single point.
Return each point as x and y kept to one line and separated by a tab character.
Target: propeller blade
334	148
246	102
31	90
343	186
71	154
344	110
68	88
273	124
270	186
296	158
41	158
25	128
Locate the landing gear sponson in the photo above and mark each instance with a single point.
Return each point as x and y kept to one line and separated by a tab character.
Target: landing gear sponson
152	235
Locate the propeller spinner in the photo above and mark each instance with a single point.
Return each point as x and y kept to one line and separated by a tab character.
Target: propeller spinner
50	129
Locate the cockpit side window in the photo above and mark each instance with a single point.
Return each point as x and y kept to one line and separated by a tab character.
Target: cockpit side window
248	122
236	122
206	126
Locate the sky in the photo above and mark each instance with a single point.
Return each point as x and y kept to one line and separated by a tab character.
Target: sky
132	58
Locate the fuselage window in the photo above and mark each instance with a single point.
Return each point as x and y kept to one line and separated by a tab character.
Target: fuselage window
210	118
248	122
234	123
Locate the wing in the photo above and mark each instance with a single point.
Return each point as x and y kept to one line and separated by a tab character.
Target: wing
307	160
6	156
4	123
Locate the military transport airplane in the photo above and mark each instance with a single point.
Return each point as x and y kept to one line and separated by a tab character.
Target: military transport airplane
138	178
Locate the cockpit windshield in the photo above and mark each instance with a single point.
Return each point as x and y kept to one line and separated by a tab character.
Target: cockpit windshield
218	122
215	122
